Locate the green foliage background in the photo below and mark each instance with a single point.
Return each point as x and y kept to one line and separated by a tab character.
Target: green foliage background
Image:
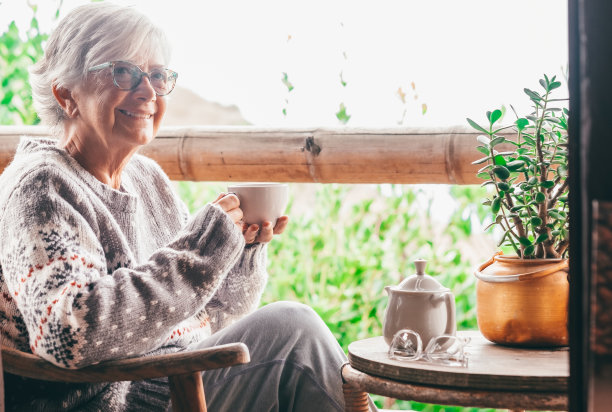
337	254
19	49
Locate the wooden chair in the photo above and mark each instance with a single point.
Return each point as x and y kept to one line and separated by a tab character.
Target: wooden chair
182	369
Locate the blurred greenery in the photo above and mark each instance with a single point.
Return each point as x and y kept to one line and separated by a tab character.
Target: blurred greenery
344	243
19	49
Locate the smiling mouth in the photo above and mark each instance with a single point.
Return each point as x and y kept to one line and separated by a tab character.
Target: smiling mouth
136	115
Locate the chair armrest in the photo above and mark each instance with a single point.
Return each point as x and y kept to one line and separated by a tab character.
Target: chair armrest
132	369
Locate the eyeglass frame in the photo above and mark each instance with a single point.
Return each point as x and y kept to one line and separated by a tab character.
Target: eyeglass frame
111	64
427	352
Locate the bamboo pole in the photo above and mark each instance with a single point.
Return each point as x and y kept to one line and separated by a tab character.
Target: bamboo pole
334	155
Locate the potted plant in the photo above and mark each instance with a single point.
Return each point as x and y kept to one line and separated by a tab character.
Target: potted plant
522	299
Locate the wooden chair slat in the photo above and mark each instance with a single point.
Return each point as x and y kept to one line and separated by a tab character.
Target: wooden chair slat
132	369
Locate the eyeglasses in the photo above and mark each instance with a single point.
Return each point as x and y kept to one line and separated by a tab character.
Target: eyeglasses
127	76
444	349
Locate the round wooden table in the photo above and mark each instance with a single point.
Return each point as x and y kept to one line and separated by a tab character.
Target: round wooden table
496	377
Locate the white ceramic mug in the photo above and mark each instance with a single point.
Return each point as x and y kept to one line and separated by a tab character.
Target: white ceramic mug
261	201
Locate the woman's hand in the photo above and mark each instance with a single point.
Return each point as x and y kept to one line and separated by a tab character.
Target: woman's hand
252	233
231	205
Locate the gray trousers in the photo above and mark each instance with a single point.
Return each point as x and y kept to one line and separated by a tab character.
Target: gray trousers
295	364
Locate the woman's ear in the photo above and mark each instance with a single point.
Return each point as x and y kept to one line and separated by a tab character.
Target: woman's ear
66	101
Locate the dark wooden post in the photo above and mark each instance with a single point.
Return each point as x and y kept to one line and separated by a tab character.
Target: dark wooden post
591	205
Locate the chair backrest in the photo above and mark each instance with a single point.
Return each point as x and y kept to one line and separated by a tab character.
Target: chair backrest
181	368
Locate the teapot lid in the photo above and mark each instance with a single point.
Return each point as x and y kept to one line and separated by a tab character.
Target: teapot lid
421	282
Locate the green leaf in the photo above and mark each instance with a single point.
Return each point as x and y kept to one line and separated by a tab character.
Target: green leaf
483	139
496	205
342	115
532	95
481	160
555	215
497	140
286	82
524	241
499	160
536	221
485	169
529	250
540	197
7	98
501	172
521	151
521	123
477	126
501	241
483	150
503	186
554	85
541	238
547	184
515	165
529	140
495	116
483	175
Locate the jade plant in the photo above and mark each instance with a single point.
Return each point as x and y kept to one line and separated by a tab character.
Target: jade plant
527	173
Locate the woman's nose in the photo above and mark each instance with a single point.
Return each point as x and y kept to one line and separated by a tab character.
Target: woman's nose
145	89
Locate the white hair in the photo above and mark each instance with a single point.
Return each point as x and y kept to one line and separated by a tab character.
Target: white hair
87	36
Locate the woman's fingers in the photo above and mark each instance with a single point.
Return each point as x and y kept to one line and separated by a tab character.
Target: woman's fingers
281	225
227	201
250	232
236	216
266	233
219	197
231	205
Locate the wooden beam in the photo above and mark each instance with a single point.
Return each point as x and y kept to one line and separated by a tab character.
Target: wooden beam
335	155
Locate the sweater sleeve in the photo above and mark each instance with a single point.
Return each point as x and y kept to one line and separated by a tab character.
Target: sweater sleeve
77	310
241	291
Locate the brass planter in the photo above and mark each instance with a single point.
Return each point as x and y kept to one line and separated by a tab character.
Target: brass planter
523	302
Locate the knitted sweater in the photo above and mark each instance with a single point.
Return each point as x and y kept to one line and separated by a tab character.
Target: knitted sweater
89	273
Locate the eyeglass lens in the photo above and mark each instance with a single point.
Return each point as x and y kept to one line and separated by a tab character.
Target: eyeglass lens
445	349
128	76
407	345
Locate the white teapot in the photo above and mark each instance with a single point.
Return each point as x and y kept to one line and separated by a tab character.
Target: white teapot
422	304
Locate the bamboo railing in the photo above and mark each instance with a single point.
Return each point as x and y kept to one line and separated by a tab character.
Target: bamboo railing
319	155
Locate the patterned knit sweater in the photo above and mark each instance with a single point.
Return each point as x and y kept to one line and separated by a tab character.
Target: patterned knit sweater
89	273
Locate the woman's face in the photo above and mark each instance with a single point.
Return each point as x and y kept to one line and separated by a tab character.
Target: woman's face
118	119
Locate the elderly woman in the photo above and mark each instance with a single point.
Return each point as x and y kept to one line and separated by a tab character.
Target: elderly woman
100	260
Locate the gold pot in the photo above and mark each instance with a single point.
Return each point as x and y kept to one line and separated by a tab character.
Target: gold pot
523	302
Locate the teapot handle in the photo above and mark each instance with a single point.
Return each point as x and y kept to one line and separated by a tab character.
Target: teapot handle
451	326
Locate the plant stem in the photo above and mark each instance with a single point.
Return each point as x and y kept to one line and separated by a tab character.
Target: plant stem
544	249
